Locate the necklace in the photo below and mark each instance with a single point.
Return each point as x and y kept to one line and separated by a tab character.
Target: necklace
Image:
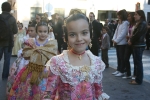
79	55
38	44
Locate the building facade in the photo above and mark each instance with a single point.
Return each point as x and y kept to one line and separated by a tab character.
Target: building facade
25	10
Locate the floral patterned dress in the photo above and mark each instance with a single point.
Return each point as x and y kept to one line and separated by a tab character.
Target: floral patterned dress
68	82
18	90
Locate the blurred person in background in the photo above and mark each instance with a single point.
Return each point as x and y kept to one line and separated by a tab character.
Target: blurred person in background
138	42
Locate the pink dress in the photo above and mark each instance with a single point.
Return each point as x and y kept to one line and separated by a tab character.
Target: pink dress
67	82
24	90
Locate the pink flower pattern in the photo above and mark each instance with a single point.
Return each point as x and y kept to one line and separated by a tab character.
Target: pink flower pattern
65	81
71	80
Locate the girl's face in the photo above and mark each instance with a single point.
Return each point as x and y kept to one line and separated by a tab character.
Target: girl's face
137	17
78	35
38	19
19	26
31	32
42	32
118	17
129	18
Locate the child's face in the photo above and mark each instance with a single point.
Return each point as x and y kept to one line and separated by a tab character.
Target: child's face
78	35
42	31
38	18
104	31
31	31
19	26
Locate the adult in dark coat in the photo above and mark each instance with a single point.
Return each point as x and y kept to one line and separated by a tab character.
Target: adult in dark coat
57	29
6	45
95	31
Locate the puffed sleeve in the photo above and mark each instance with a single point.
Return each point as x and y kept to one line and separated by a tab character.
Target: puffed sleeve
52	84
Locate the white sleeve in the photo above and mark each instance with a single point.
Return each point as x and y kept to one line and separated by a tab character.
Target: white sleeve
123	32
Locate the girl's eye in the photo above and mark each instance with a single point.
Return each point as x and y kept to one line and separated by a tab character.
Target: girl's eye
72	35
84	33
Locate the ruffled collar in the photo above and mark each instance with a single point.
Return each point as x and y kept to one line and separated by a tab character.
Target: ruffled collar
89	53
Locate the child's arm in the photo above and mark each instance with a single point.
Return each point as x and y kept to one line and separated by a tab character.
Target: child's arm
52	78
100	66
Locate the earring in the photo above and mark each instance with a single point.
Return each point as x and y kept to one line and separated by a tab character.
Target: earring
90	45
69	47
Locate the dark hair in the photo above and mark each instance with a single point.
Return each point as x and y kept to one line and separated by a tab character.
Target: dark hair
42	23
106	28
122	14
112	21
31	25
21	24
75	11
141	13
132	18
73	17
6	7
40	14
92	13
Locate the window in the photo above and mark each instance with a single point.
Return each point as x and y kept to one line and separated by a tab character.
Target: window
60	11
34	11
113	14
148	2
103	15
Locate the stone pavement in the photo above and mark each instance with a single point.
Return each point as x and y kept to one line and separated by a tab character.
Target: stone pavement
116	87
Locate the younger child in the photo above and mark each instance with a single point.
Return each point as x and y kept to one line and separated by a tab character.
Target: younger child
18	39
20	62
76	74
31	81
105	45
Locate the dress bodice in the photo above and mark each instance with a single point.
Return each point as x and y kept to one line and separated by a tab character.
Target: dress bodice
77	82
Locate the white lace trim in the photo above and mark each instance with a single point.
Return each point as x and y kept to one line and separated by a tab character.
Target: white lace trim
73	74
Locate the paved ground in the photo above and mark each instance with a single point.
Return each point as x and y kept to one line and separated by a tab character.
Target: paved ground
146	62
116	87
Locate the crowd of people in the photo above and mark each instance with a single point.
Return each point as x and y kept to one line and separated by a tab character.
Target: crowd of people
58	59
43	71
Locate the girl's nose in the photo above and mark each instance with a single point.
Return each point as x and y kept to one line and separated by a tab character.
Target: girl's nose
79	38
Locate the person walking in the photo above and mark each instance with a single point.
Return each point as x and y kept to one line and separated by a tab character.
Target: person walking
6	44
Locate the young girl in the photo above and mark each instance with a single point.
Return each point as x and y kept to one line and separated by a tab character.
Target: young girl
138	43
76	74
129	49
18	39
30	83
20	62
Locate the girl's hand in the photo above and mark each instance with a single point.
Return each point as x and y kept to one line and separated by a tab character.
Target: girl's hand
114	42
129	42
127	37
31	43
